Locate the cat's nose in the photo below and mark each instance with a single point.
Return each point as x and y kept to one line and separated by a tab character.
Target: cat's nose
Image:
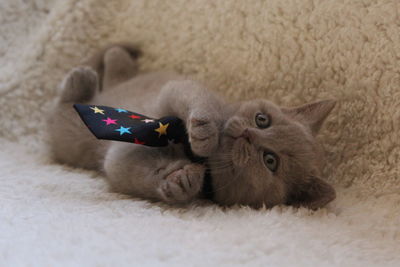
247	135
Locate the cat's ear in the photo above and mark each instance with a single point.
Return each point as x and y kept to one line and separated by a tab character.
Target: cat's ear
312	114
313	193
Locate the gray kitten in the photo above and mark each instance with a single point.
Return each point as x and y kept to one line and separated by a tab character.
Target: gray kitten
258	153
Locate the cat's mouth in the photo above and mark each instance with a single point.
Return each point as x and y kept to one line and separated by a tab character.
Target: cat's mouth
245	135
238	140
241	151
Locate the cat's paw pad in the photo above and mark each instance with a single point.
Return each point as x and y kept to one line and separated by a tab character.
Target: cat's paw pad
182	185
82	76
79	84
203	135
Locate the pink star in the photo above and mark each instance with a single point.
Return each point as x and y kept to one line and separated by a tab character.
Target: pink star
110	121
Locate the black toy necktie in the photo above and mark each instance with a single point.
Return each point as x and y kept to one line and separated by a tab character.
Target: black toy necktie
122	125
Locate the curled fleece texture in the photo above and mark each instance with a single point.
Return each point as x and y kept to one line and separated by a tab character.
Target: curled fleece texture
287	51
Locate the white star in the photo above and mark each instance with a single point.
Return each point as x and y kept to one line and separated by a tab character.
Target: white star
147	120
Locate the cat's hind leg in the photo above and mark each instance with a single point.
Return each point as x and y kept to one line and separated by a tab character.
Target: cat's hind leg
120	65
79	86
114	64
70	142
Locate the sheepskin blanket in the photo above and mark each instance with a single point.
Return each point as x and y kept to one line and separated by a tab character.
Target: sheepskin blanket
287	51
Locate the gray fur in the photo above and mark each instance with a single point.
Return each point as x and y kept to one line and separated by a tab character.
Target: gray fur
224	132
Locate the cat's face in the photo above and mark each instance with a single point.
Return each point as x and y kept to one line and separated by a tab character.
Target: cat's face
268	155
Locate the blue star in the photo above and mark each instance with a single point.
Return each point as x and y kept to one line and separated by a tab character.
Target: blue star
121	110
123	130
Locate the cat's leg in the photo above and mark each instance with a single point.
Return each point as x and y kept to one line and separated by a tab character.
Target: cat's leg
153	173
114	64
119	65
202	110
68	138
79	86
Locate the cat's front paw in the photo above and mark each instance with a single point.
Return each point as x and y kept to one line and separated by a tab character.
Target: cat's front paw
182	185
203	135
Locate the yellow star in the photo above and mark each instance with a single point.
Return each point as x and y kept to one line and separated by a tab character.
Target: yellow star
97	110
162	129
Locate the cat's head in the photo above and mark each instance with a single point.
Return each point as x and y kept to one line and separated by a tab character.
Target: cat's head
268	155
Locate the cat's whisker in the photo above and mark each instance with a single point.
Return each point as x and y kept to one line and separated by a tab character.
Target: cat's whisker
226	184
221	164
219	161
220	168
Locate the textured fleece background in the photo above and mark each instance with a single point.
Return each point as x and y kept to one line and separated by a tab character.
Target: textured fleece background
287	51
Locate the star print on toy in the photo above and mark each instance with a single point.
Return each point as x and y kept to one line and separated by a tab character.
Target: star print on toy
123	125
120	110
162	130
97	110
110	121
123	130
134	117
138	142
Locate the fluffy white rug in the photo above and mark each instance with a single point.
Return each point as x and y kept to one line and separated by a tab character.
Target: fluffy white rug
288	51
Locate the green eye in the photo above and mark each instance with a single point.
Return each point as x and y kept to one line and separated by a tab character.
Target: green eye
271	161
262	120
